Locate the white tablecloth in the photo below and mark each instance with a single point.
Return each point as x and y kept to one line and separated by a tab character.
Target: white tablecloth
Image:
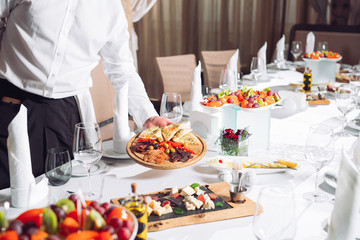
287	138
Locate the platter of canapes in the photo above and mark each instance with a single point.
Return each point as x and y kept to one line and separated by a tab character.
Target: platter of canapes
169	147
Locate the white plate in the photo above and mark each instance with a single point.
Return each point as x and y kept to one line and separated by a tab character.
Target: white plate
355	124
232	159
79	171
330	177
108	151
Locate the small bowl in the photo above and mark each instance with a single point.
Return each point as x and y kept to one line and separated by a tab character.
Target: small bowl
237	196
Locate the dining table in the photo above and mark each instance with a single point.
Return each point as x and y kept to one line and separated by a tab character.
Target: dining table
287	138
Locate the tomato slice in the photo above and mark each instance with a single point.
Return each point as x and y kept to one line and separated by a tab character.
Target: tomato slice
201	198
212	196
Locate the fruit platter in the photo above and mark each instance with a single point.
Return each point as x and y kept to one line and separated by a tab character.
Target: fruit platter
170	147
322	55
245	98
66	220
191	204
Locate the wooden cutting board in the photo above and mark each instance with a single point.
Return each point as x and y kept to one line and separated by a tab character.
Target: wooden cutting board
221	189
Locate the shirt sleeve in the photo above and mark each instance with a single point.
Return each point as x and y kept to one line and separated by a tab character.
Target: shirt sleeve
119	67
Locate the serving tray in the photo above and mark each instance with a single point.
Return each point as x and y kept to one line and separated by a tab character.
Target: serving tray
167	165
233	210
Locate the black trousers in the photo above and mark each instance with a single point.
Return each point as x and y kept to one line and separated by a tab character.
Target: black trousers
51	123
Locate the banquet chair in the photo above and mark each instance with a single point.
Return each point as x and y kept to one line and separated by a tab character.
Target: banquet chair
176	73
213	63
342	39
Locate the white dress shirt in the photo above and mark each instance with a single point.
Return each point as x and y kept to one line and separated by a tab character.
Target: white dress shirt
49	47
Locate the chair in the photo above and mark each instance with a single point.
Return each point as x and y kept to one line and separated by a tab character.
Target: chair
176	73
342	39
213	63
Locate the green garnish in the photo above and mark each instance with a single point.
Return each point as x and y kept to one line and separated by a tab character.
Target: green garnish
195	185
227	93
219	204
221	94
178	211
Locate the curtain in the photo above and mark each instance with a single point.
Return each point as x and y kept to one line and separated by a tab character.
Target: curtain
189	26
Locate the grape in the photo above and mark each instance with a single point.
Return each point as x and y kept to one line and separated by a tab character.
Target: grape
31	231
16	226
108	228
60	213
123	233
53	206
256	105
73	197
249	105
24	237
28	225
101	210
251	99
108	211
89	208
106	205
95	204
270	93
230	100
129	224
116	222
264	99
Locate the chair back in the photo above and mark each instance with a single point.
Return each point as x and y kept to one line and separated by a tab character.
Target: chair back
213	63
342	39
176	73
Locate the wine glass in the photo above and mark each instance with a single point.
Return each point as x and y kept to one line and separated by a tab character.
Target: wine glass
87	149
355	83
171	107
322	46
319	150
255	68
345	102
296	49
58	166
274	217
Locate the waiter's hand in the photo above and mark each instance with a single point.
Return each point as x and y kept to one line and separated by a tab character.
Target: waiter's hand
156	121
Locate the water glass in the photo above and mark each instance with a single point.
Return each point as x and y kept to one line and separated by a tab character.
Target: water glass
345	102
296	49
255	68
323	46
274	217
87	149
58	166
171	107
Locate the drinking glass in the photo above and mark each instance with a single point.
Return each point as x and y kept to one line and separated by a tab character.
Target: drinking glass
322	46
58	166
296	49
355	83
345	102
87	149
206	91
274	217
171	107
319	151
255	68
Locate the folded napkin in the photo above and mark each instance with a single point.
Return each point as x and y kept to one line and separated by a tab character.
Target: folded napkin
280	48
196	94
231	70
345	218
262	55
24	191
310	42
86	107
121	120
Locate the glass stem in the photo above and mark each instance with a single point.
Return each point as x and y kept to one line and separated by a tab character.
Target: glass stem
344	123
317	169
89	181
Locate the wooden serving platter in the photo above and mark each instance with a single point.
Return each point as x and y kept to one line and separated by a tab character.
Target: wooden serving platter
167	165
236	210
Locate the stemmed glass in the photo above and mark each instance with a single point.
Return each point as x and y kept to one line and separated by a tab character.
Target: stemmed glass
255	68
58	166
171	107
274	217
345	102
87	149
319	150
322	46
296	49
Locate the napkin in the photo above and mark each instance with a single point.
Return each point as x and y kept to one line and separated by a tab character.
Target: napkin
196	94
262	55
86	107
280	48
231	70
310	42
121	120
24	191
345	218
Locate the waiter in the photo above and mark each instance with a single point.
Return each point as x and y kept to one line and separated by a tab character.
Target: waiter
47	52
